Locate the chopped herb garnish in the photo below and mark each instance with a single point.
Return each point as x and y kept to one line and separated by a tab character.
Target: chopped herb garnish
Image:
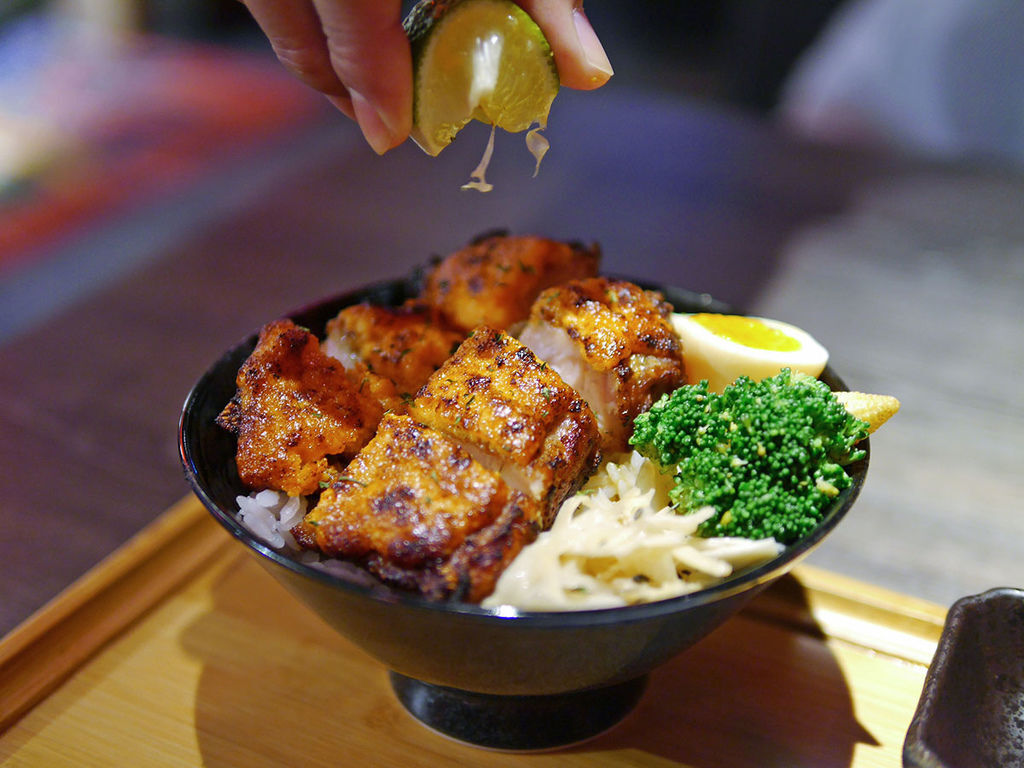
350	479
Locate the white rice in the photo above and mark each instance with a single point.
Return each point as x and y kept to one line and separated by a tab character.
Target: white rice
270	516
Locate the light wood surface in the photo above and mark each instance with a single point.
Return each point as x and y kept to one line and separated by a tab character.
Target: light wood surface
40	654
204	659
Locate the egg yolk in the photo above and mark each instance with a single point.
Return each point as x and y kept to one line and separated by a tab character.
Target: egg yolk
747	331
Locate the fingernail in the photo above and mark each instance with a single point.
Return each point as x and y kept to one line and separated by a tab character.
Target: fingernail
593	51
375	129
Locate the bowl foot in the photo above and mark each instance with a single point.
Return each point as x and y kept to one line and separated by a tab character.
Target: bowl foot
517	723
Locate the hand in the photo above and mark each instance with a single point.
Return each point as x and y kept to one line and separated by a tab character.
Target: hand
356	53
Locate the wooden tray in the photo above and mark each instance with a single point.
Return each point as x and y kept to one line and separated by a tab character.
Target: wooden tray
180	650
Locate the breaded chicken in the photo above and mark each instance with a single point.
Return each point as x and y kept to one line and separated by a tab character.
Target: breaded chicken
613	342
494	280
404	344
514	414
295	410
421	514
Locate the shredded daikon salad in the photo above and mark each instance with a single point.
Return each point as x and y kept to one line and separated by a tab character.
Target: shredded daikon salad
618	542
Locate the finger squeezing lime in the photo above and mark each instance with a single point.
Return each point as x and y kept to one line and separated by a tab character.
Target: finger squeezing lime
478	59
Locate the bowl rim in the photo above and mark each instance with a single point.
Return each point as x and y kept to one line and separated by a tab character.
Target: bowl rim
745	580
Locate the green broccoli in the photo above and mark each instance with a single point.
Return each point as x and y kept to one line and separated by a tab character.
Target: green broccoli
767	455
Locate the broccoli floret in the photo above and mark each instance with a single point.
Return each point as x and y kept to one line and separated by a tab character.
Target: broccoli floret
767	455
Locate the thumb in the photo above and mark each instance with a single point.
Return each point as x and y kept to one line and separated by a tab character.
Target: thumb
580	57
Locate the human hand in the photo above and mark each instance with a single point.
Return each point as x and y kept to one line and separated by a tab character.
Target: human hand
356	53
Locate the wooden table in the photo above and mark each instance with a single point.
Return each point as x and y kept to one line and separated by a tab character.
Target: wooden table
181	650
904	269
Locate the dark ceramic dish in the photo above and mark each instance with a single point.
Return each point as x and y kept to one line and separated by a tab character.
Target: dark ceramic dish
528	681
971	712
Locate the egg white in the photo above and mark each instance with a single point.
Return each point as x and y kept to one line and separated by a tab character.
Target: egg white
721	361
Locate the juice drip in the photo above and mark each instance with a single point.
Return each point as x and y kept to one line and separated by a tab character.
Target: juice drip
538	146
477	177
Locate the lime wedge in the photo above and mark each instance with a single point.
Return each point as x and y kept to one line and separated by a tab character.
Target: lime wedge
477	59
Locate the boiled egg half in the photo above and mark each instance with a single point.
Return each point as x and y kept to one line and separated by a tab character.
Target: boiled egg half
721	348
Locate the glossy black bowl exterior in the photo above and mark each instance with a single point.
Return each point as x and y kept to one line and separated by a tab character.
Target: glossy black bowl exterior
459	645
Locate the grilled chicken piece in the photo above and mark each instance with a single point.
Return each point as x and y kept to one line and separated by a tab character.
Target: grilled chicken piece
403	344
295	410
421	514
494	280
613	342
515	415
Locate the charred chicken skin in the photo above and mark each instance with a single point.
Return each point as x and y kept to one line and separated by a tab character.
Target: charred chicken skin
418	511
515	414
295	410
494	280
403	344
613	342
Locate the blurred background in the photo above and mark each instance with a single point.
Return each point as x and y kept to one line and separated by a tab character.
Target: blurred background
851	166
147	94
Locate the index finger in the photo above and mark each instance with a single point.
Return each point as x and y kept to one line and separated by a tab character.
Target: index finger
293	29
369	52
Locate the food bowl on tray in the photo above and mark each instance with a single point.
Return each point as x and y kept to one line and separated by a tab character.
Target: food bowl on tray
505	680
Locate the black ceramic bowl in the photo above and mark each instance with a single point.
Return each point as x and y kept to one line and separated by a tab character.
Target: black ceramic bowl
971	711
528	681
